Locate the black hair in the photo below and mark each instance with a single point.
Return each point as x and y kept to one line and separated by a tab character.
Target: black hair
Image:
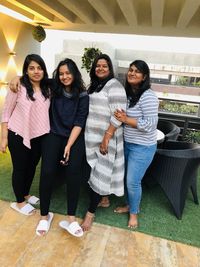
77	85
25	81
95	83
134	96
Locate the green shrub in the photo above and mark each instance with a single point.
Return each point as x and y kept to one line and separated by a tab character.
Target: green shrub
89	56
197	84
166	105
182	81
192	136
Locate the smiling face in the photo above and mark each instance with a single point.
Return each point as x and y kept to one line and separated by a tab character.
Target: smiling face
35	72
135	76
65	76
102	69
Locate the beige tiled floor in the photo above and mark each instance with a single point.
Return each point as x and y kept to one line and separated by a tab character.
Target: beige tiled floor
103	246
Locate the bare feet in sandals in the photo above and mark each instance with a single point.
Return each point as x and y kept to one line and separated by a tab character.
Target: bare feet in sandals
104	203
123	209
87	221
133	221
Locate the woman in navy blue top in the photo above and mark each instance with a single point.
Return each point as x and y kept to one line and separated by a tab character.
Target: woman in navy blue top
64	144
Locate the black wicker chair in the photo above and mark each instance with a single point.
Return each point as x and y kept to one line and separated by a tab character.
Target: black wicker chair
175	169
170	130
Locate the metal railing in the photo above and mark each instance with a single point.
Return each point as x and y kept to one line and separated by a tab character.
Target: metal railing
185	121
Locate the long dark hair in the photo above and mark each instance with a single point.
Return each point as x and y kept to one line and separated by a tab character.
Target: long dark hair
77	85
134	96
25	81
95	83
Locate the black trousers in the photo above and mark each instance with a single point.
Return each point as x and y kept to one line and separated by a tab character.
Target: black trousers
24	161
94	198
52	152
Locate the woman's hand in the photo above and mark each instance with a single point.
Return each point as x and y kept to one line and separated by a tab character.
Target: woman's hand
120	115
103	148
67	152
3	144
14	84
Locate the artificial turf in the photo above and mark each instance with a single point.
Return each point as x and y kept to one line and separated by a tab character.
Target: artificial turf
156	217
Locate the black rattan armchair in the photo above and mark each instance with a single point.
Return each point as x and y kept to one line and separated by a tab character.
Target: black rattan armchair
175	168
170	129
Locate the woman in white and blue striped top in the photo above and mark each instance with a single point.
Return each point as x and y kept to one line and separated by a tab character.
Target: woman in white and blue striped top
140	123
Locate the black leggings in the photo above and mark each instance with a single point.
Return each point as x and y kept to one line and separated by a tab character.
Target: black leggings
94	197
24	161
52	152
94	201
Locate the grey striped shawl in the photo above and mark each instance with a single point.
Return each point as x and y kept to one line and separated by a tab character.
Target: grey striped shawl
107	171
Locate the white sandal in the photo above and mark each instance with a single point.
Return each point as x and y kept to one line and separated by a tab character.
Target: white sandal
44	225
33	200
26	210
73	228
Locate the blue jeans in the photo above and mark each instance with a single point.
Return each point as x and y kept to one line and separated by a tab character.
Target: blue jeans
137	159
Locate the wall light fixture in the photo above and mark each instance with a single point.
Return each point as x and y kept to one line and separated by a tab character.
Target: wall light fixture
3	83
12	53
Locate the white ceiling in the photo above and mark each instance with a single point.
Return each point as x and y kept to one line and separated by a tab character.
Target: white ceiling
147	17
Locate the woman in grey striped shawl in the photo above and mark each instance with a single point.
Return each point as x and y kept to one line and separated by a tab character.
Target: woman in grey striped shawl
104	135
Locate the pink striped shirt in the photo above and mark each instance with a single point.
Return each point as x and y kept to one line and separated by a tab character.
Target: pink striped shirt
25	117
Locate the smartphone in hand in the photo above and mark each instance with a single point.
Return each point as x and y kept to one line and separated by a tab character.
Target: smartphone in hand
64	162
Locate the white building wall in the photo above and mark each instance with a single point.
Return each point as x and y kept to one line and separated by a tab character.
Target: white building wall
75	49
121	58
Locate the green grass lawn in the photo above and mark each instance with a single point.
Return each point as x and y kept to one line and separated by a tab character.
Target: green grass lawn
156	217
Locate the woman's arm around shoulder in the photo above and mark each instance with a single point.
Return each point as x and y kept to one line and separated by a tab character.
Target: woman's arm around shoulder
15	84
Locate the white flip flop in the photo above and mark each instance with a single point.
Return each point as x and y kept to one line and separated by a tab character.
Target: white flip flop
26	210
72	228
33	200
44	225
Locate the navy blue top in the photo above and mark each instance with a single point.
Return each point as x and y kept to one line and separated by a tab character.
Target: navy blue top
67	111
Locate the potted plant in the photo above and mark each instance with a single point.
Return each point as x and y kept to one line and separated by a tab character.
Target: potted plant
192	136
89	56
39	33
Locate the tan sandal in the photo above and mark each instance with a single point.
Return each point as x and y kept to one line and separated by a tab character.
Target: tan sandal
87	221
104	203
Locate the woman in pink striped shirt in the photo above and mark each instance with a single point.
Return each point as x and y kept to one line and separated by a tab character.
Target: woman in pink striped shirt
25	120
64	144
